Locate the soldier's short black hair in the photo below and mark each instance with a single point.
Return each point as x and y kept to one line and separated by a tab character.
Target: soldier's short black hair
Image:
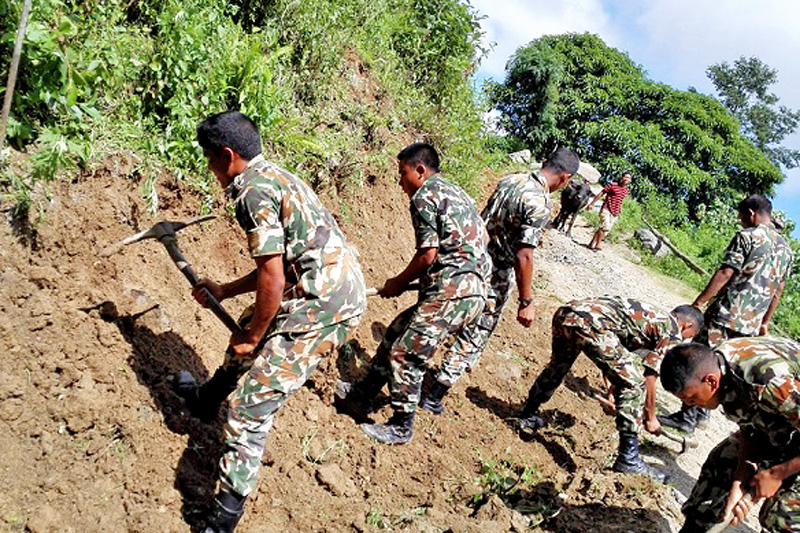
230	129
691	314
562	160
686	362
420	153
755	203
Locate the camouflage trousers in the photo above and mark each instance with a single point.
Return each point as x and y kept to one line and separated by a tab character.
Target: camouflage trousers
621	367
706	503
471	340
283	364
403	355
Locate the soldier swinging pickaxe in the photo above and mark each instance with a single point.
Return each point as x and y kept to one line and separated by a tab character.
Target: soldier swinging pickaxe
165	233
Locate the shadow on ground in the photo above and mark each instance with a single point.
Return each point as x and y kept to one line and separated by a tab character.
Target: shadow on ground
548	437
156	358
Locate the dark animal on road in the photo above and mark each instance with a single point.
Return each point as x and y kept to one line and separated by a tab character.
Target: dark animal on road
574	197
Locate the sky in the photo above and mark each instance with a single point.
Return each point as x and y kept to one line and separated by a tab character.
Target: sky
675	41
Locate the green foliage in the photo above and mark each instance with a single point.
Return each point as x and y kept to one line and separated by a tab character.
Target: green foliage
684	148
744	89
330	83
503	477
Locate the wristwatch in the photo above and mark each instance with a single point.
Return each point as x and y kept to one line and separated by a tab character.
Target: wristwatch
525	302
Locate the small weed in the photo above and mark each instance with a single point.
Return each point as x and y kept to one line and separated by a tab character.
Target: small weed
409	517
311	452
503	477
119	449
511	356
375	519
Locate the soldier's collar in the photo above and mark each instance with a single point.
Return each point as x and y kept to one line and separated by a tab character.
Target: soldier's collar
238	182
537	175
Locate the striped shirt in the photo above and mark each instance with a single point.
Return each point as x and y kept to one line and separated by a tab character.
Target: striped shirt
614	196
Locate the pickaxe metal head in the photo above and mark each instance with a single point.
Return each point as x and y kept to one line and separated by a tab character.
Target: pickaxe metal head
686	443
159	231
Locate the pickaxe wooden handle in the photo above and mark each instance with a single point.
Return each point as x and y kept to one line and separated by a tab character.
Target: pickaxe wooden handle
373	291
720	527
165	233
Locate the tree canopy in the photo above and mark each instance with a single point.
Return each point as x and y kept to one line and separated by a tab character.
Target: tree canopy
682	146
744	88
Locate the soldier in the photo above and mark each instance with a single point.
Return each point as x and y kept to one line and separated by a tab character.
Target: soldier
516	215
309	294
608	330
453	266
756	380
745	289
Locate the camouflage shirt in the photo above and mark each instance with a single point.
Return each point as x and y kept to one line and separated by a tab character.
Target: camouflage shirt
445	217
761	387
516	215
640	327
762	260
282	215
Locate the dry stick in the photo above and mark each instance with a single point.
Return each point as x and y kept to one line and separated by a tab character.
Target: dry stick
691	264
12	71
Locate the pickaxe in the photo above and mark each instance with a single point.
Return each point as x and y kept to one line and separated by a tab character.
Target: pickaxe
165	233
685	442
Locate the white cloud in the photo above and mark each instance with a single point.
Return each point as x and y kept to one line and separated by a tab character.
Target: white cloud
513	23
681	38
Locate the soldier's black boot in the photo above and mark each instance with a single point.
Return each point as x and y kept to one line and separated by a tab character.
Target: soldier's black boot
529	420
628	459
397	430
432	401
203	401
684	420
358	399
228	509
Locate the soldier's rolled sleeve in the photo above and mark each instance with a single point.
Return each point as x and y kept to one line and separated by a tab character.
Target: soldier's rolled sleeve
259	216
738	251
782	395
534	217
423	217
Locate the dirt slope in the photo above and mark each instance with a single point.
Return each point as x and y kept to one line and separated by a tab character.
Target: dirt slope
94	440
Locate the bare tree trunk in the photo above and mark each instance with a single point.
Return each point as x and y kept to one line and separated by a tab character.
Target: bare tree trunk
691	264
12	71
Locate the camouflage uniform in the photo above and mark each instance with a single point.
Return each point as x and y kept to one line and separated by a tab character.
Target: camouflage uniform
762	260
516	215
453	287
323	298
608	330
761	392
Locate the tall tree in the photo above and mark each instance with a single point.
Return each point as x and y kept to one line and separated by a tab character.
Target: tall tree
744	88
683	146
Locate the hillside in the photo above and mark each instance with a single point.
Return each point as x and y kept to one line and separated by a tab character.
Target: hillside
94	439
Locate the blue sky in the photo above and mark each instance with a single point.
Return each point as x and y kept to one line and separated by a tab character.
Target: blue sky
673	40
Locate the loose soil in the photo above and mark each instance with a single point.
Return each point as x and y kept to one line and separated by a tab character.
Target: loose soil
94	440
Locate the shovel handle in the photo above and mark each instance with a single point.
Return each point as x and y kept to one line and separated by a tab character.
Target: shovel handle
171	244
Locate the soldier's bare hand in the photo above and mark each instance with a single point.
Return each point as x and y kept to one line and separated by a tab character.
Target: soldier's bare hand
737	504
763	329
205	286
652	426
243	345
391	288
767	482
525	315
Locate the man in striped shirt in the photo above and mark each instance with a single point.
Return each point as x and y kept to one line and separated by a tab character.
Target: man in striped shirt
612	205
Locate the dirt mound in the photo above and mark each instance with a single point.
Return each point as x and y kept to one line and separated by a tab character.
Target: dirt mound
93	438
